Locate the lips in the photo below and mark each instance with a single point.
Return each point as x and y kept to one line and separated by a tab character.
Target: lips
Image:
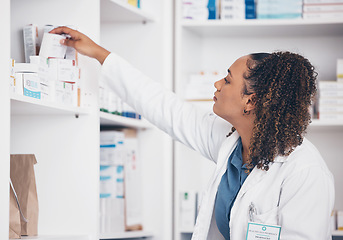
214	98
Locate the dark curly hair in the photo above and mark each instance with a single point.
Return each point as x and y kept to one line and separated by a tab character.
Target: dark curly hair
284	85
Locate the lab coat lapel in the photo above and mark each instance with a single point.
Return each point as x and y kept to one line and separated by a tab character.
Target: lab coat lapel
254	177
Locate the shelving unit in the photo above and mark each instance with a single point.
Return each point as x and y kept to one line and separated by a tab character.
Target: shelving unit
67	147
144	38
214	45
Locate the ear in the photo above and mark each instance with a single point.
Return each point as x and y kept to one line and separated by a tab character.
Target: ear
250	102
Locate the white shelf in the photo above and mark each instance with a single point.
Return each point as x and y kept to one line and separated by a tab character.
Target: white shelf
326	123
23	105
121	235
337	233
107	119
265	27
119	11
56	237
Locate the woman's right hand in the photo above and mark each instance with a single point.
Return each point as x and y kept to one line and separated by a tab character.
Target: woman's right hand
82	43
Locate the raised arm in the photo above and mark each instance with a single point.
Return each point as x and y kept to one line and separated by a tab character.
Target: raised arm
202	131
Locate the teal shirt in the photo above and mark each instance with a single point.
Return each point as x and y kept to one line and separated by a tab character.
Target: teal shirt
230	184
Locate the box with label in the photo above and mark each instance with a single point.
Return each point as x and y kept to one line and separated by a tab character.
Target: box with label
28	85
31	44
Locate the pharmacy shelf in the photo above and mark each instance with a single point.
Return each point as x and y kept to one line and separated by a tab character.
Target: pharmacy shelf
23	105
326	123
107	119
265	27
126	235
56	237
121	11
337	233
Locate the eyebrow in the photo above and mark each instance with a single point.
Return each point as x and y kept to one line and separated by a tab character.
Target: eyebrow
229	72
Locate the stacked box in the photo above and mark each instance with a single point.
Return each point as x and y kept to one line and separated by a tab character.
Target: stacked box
196	9
31	43
279	9
330	100
232	9
314	9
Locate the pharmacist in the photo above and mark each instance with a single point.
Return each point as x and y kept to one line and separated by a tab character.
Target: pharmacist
270	182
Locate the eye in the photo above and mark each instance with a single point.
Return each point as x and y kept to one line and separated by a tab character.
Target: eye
226	81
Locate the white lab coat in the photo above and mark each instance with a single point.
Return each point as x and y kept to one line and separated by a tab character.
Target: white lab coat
297	192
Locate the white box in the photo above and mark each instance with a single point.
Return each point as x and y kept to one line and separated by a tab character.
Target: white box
31	46
340	70
28	85
187	209
340	220
62	70
51	46
112	147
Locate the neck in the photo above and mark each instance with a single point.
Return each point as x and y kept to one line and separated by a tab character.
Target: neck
245	131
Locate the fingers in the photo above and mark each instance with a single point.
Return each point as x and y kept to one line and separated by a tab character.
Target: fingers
68	42
65	30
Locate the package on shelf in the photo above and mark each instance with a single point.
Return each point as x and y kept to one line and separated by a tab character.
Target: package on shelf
250	9
279	9
322	1
112	198
27	81
133	194
51	46
12	76
112	149
340	70
340	220
188	209
201	85
135	3
321	8
330	100
108	100
323	15
128	111
195	9
31	43
232	9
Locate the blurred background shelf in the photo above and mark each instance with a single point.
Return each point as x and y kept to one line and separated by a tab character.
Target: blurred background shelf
119	11
108	119
265	27
124	235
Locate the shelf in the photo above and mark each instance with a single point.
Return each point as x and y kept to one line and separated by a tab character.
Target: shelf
133	234
56	237
337	233
265	27
120	11
326	123
107	119
23	105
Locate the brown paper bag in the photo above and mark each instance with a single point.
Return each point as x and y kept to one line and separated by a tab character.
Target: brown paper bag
24	183
15	226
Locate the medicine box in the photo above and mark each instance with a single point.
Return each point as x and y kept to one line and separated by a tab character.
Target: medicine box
28	84
31	46
51	46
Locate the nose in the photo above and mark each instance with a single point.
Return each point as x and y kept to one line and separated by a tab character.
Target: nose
218	84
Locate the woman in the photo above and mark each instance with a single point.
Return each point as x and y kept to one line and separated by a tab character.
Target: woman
270	182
